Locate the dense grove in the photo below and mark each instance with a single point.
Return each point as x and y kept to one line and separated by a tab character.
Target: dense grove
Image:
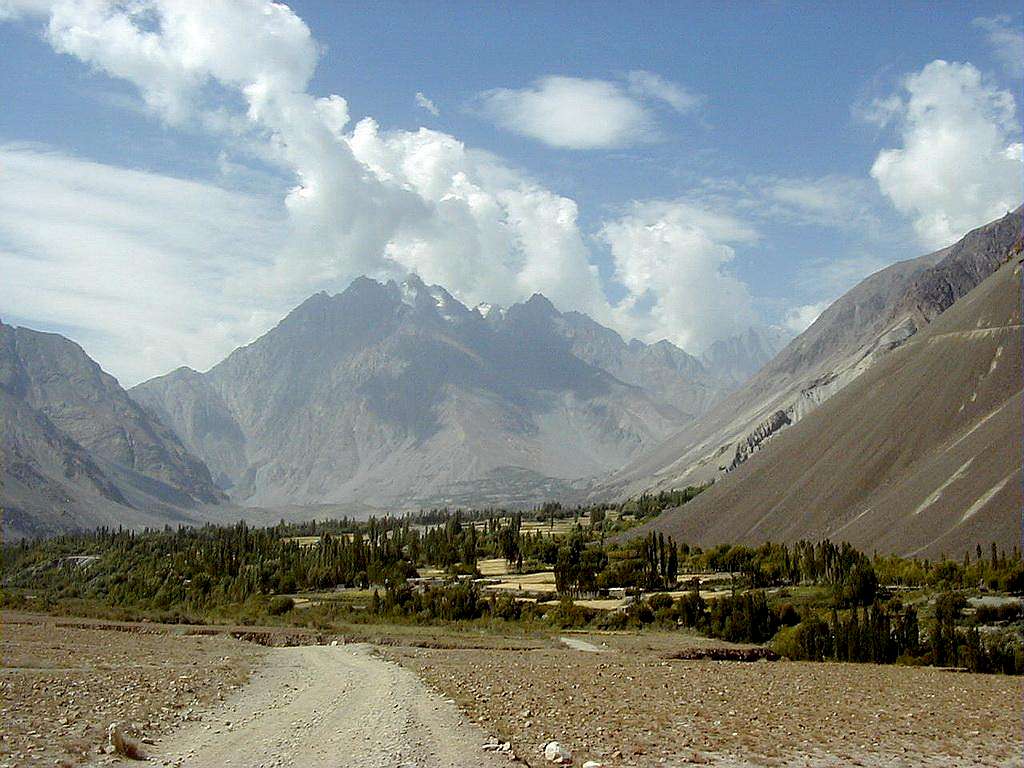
845	606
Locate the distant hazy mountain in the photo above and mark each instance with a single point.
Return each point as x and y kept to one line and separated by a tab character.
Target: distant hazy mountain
920	455
736	359
861	328
398	394
78	452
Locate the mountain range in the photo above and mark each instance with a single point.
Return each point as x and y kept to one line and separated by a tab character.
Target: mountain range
398	395
392	396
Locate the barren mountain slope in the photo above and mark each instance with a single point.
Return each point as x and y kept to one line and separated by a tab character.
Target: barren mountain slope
77	452
853	334
920	455
399	395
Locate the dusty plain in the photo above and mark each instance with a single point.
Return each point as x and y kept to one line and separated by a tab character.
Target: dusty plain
64	681
631	705
617	698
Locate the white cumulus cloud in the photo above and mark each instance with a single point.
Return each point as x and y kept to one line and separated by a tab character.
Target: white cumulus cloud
672	257
571	112
363	201
580	113
959	163
163	271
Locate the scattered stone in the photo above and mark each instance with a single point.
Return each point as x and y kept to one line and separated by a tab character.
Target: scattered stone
124	744
557	754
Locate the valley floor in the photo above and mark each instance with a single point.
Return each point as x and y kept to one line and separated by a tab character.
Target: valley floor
634	705
621	699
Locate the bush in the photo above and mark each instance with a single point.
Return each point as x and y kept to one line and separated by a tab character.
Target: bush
568	615
744	618
659	601
788	615
813	639
507	608
810	640
639	613
612	620
280	605
784	643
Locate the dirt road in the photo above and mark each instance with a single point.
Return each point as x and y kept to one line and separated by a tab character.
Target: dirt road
330	706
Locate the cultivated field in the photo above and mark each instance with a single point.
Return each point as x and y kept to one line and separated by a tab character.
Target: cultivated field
541	584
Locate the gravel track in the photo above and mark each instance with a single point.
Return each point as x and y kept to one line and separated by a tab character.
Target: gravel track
336	706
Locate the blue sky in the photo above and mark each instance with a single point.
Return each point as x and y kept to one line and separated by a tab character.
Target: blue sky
170	185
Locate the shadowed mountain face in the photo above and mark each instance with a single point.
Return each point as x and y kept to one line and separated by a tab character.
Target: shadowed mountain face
859	330
395	394
921	455
77	451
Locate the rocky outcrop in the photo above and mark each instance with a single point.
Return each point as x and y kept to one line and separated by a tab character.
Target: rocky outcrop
764	432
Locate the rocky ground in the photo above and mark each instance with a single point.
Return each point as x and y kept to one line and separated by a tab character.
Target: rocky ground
62	683
618	699
633	706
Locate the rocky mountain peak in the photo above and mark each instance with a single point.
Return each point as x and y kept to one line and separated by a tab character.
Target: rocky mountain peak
393	393
539	304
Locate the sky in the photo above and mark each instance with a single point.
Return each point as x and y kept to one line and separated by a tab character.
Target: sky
175	176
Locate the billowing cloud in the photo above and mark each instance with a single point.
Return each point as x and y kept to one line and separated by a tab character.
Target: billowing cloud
672	257
1007	40
173	272
960	163
424	103
363	200
491	233
193	47
366	201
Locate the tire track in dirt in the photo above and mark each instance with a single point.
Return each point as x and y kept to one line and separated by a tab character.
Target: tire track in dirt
336	706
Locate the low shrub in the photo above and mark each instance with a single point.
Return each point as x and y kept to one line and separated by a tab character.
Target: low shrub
280	605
